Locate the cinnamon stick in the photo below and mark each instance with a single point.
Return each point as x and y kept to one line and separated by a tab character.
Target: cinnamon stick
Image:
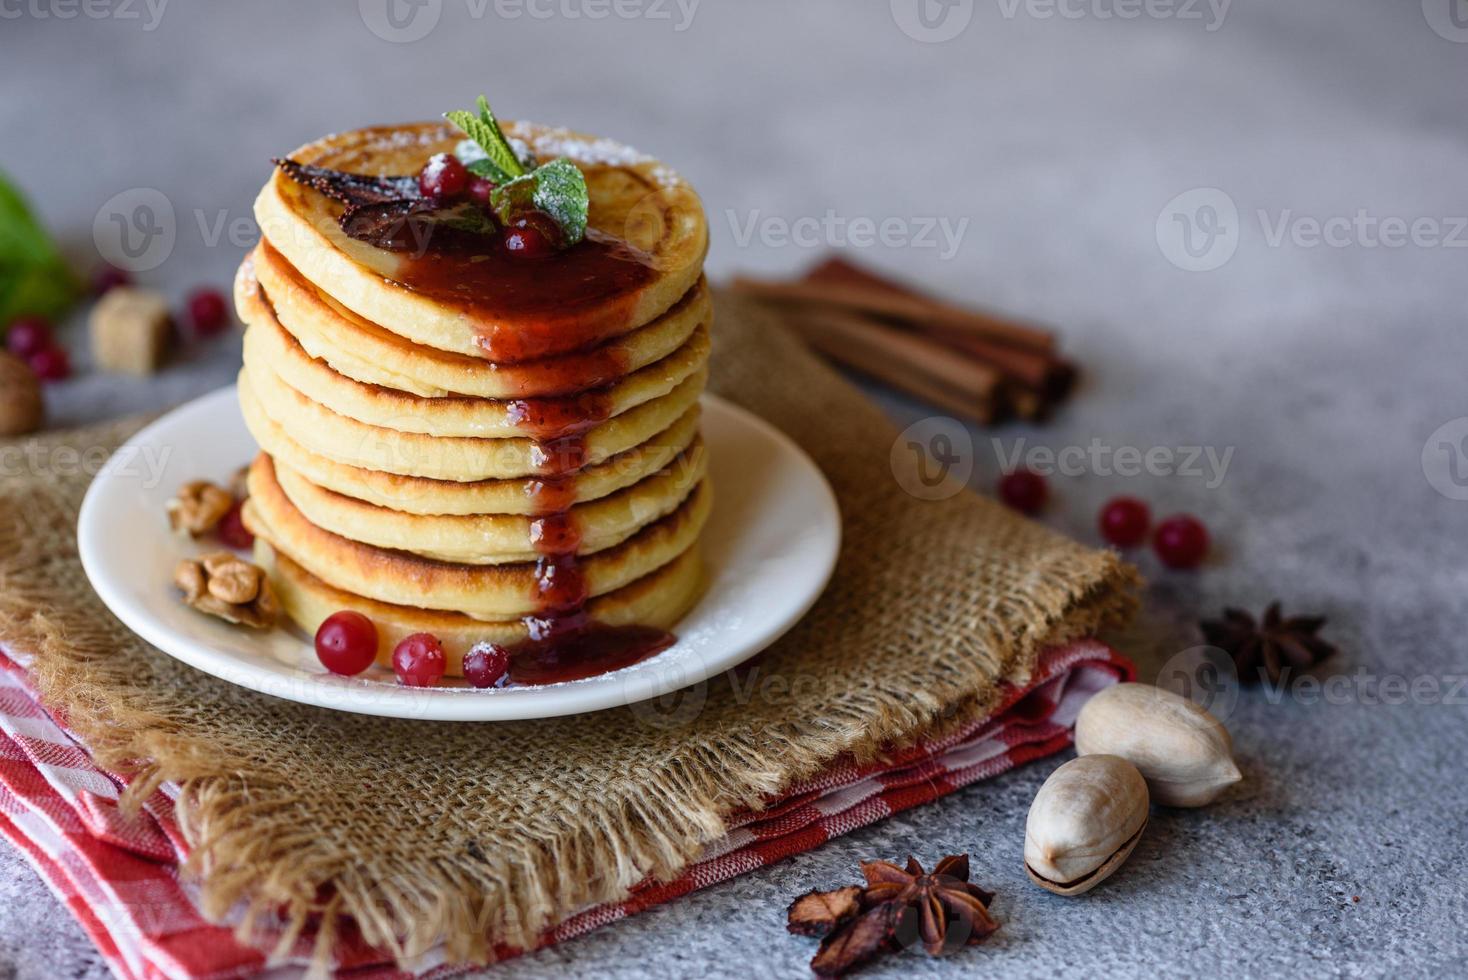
910	363
873	300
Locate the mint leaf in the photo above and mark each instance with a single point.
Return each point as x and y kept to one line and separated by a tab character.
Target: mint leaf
33	277
499	162
558	188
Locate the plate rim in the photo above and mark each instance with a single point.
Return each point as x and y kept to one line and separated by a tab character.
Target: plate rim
639	683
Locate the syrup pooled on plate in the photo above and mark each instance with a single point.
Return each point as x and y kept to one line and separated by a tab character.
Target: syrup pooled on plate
565	644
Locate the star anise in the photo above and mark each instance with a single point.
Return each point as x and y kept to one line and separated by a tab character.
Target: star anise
897	908
1270	648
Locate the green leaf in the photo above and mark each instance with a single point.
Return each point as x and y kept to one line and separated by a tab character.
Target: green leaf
33	277
558	188
499	162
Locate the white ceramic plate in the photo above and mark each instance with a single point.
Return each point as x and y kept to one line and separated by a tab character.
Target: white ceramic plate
770	545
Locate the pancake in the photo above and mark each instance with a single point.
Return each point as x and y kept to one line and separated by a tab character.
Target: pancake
366	352
349	441
658	599
268	343
495	538
417	495
487	592
493	305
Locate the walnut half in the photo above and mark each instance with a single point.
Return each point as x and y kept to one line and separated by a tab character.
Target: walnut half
229	587
198	507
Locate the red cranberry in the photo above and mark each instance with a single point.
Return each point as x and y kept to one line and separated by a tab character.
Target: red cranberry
50	364
232	530
346	643
1181	541
1024	490
28	335
418	660
443	177
527	242
487	665
208	311
480	188
1124	522
110	277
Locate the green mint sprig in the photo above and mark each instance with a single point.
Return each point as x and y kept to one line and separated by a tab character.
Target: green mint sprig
499	162
557	188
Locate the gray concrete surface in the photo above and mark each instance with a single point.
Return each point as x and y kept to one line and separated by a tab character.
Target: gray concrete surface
1062	135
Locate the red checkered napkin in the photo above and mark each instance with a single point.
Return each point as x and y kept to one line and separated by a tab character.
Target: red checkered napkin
119	874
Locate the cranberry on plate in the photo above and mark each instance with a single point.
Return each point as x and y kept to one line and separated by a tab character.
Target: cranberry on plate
418	660
487	665
1181	541
232	530
346	643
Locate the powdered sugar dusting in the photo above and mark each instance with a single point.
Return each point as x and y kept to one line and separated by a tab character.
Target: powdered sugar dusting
551	142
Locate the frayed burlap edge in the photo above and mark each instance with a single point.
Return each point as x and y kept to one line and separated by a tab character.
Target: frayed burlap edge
243	824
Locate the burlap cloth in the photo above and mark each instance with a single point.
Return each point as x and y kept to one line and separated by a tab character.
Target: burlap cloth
476	834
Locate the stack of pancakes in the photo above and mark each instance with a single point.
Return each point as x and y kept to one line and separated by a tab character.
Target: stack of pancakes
468	443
